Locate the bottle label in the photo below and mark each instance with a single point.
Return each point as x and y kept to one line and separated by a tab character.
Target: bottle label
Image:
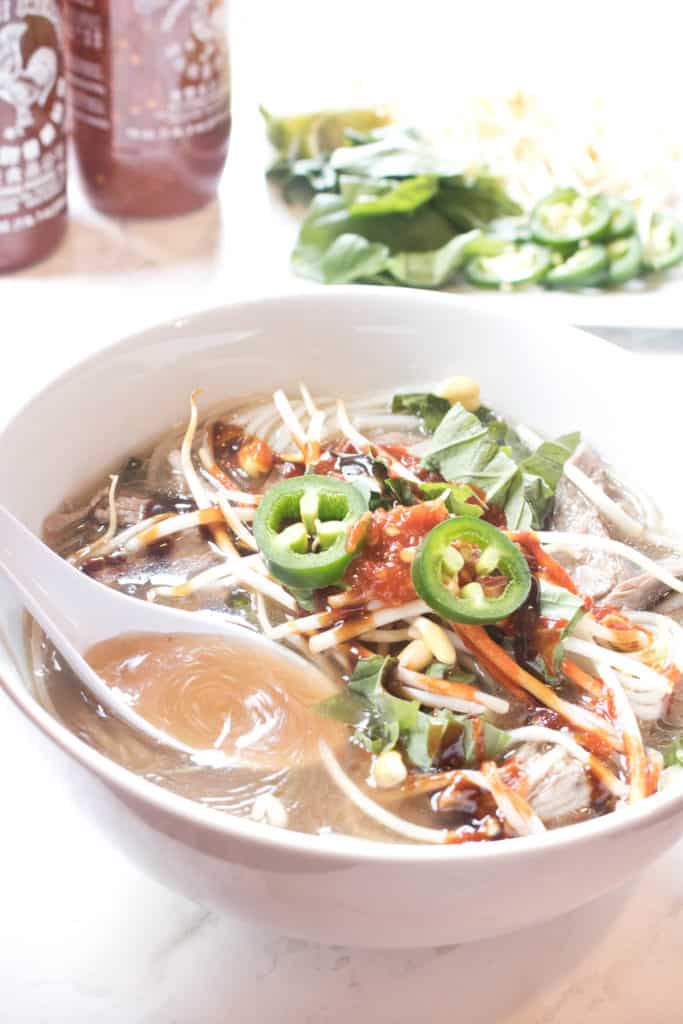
157	70
32	92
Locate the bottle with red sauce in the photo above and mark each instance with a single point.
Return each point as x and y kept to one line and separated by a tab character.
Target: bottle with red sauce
149	90
32	131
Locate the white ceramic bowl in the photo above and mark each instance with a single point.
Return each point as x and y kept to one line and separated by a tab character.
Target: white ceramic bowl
349	340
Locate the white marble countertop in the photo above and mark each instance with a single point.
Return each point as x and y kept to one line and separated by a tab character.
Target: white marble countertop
84	937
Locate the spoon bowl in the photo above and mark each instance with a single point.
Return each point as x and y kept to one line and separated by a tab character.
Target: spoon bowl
76	613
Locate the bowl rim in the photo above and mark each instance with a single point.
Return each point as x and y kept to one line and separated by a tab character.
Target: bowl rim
329	847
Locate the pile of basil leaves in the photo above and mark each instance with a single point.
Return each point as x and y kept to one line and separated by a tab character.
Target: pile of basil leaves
386	207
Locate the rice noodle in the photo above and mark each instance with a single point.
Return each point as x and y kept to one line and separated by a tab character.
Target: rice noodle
447	688
633	741
364	445
608	508
507	672
432	700
568	541
514	808
391	421
311	407
177	524
197	489
211	474
650	679
290	419
540	734
589	629
352	628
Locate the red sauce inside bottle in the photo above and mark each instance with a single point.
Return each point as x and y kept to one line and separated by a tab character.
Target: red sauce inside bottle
32	133
149	87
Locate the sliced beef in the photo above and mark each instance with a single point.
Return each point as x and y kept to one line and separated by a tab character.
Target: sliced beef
594	572
645	591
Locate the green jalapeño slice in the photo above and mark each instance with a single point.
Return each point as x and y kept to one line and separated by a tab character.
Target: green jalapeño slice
663	248
587	266
565	218
625	257
468	571
304	528
513	267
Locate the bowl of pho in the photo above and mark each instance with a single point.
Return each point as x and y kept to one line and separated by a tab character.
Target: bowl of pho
463	527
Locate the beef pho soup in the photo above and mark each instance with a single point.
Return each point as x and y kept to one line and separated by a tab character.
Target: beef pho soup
487	619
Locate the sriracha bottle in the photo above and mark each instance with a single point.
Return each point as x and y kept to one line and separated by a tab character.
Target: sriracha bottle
149	90
32	131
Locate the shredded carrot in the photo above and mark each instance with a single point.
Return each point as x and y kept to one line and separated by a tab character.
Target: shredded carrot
448	688
552	568
584	680
638	767
506	671
509	685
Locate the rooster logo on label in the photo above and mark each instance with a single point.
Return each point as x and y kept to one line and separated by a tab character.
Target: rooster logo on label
23	86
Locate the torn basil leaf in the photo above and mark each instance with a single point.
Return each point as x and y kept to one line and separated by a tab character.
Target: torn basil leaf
559	604
474	449
461	500
382	721
435	268
430	408
368	198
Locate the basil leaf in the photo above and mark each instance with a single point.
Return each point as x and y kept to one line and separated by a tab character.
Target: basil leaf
492	741
393	490
350	258
457	431
528	502
298	179
549	458
328	218
393	152
430	408
472	201
388	716
369	674
382	721
422	743
377	716
483	450
458	501
560	604
445	731
435	268
366	198
463	451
